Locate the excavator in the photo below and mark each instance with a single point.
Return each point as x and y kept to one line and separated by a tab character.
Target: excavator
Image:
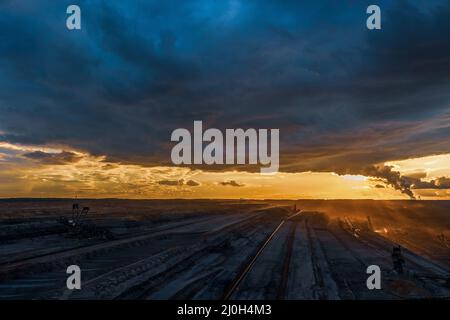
78	227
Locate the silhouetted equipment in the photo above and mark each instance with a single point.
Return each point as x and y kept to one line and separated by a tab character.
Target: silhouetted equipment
397	259
444	240
369	223
78	214
78	228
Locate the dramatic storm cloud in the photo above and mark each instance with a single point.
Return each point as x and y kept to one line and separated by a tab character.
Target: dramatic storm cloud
345	98
63	157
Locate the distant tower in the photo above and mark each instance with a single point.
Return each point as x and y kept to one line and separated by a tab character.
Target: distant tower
369	223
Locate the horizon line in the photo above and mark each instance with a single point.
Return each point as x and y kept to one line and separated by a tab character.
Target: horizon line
214	199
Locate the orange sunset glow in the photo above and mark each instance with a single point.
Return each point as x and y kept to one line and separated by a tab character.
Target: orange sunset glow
84	175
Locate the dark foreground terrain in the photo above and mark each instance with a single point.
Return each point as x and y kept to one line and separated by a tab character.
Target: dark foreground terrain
224	249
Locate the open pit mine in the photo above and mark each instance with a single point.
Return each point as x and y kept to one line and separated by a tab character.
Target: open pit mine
238	250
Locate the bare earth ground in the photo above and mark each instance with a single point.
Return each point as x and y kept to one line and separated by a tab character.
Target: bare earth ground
201	249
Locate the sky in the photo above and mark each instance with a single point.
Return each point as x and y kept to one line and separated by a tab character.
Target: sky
89	113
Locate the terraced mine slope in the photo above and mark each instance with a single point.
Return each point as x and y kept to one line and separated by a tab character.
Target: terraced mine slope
218	250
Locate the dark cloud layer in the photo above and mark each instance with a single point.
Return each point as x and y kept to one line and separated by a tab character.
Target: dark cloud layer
231	183
345	98
439	183
171	182
405	184
64	157
181	182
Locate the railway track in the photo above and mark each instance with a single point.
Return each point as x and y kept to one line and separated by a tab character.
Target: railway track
139	280
246	269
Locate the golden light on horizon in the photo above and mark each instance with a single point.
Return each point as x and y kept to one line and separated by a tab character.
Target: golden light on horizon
431	166
84	175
